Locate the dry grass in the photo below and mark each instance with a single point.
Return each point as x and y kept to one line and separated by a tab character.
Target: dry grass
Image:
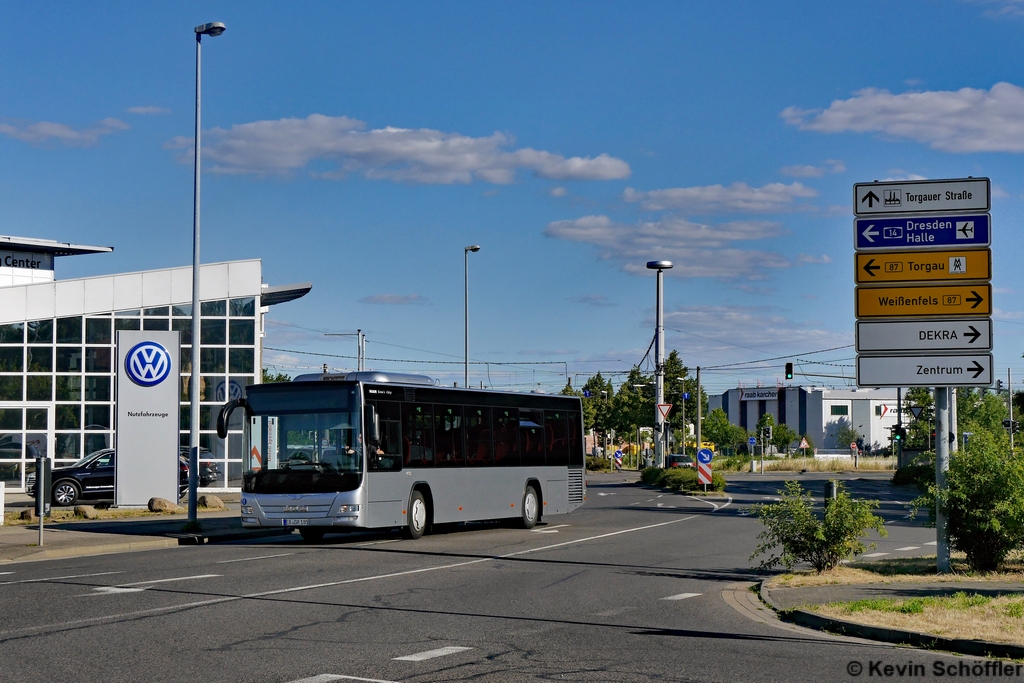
828	464
60	516
962	615
903	570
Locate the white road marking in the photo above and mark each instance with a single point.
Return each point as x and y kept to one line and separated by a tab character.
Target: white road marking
661	505
326	678
58	578
661	496
932	543
682	596
261	557
874	554
387	540
550	528
545	531
5	573
430	654
140	586
296	589
728	502
910	547
606	494
636	503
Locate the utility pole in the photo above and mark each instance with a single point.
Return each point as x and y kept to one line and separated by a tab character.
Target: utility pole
1009	401
659	364
899	426
941	467
699	410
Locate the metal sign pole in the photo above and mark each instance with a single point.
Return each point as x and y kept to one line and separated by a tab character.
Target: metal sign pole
1009	400
941	467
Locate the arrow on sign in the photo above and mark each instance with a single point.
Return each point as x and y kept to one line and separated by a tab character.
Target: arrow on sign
868	268
977	369
870	198
870	233
977	299
973	334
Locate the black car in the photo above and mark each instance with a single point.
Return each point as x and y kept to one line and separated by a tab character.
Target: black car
209	472
680	460
92	478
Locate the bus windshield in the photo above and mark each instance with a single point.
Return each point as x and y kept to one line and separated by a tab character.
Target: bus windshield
327	442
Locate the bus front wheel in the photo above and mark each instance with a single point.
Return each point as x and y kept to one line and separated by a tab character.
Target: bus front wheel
530	508
416	523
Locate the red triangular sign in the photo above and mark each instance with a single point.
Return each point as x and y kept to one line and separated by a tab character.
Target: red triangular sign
664	409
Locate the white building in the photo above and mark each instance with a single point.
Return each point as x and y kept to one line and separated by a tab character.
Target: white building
815	412
58	344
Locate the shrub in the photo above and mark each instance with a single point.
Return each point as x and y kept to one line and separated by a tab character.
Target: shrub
680	479
595	464
984	502
824	543
650	475
915	475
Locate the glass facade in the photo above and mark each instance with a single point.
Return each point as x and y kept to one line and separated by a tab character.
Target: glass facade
58	383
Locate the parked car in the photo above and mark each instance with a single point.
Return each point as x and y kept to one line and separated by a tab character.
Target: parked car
680	460
92	478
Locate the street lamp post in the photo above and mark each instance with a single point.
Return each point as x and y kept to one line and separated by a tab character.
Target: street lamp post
659	365
212	29
465	259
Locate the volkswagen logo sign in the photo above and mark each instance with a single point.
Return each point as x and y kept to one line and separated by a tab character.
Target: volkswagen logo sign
147	364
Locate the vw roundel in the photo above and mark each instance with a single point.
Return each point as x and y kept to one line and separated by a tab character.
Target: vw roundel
147	364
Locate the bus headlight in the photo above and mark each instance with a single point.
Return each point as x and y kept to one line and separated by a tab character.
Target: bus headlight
345	509
247	510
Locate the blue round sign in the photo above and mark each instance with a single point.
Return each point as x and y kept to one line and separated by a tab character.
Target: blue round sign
704	456
752	441
686	396
147	364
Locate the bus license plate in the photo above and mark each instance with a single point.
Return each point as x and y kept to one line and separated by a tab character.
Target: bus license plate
295	522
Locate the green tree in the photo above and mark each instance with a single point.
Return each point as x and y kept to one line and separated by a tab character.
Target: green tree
597	408
633	406
678	382
270	377
846	434
783	437
792	525
721	432
918	430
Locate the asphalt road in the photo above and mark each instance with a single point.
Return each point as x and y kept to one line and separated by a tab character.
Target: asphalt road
636	585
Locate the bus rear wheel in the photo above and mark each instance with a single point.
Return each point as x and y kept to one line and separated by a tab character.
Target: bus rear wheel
530	508
416	523
310	535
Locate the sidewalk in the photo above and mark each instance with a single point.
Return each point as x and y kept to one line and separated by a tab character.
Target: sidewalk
19	543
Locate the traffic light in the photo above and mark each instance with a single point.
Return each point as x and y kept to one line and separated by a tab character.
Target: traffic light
899	434
999	385
1013	426
789	371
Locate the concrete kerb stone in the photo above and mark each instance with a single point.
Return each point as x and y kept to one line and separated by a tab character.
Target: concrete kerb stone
977	648
37	554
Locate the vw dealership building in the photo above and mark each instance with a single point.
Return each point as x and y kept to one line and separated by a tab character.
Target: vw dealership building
58	350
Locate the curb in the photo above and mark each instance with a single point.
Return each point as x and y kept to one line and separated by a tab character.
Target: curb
87	550
979	648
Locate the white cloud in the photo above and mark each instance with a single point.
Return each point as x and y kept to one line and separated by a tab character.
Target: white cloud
810	258
595	300
737	198
1001	9
962	121
559	192
398	154
148	110
830	166
394	299
697	250
45	132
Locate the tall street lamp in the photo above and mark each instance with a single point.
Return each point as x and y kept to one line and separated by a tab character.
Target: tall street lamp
465	259
659	366
212	29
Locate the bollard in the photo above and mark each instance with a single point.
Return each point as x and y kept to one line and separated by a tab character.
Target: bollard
831	490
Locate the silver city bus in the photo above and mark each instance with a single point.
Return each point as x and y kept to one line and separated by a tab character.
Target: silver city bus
378	450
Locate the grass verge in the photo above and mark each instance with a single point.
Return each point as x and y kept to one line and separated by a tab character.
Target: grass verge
902	570
61	516
829	464
961	615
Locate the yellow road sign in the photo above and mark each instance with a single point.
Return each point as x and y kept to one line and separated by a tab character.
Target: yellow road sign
938	300
923	266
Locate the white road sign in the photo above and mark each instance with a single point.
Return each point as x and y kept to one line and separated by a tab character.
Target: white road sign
924	371
921	196
924	335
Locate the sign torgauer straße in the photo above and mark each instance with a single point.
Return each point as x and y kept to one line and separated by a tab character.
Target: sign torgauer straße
921	196
933	301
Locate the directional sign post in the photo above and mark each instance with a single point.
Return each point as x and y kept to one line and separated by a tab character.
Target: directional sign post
922	371
922	232
924	335
926	301
704	456
914	266
922	196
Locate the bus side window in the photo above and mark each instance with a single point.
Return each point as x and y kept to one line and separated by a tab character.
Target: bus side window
387	455
556	437
448	429
478	437
418	435
531	436
506	437
575	444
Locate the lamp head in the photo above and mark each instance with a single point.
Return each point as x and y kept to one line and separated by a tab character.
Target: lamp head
213	29
659	265
473	247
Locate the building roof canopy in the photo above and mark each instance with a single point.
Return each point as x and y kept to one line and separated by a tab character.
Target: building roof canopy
54	247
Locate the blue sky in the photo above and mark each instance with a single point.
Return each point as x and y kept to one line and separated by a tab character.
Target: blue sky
361	146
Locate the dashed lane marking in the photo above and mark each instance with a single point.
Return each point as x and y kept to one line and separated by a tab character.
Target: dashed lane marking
932	543
606	494
550	529
326	678
431	654
58	578
261	557
140	586
5	573
910	547
636	503
874	555
386	540
682	596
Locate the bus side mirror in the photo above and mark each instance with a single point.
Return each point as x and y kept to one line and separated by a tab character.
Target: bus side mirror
372	430
225	414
